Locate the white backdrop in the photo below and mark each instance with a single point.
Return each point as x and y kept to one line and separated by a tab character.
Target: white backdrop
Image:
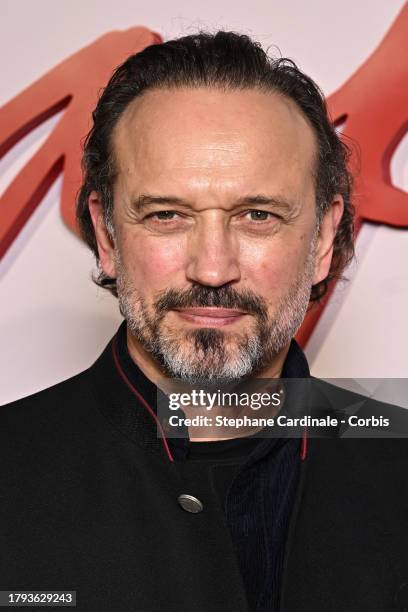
54	321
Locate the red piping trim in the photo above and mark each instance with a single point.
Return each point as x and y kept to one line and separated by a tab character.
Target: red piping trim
303	446
141	399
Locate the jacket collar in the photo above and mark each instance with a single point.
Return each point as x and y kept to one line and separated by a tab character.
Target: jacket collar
128	399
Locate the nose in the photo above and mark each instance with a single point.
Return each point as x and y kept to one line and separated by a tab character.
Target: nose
213	254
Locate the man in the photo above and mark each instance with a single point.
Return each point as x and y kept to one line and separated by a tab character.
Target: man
216	199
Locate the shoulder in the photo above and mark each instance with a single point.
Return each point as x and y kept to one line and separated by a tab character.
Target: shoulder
371	436
58	403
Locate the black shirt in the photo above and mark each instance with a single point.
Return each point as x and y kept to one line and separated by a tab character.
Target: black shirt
226	458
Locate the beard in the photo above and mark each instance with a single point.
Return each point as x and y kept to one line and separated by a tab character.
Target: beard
206	355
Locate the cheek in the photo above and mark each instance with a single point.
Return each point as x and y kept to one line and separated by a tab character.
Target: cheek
271	266
153	263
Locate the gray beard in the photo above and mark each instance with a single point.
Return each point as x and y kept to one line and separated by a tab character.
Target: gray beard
206	355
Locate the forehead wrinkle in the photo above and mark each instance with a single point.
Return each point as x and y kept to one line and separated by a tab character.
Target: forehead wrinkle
145	200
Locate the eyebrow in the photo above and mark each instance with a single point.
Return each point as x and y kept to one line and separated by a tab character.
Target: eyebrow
145	200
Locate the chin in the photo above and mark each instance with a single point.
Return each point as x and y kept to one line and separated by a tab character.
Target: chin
206	356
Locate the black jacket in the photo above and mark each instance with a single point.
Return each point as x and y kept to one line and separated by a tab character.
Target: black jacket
88	502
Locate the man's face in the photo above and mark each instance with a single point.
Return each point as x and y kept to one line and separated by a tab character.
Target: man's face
215	228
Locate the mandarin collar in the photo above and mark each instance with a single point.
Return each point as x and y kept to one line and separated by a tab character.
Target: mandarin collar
122	387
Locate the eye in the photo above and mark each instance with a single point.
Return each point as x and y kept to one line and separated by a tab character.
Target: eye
166	221
260	215
163	215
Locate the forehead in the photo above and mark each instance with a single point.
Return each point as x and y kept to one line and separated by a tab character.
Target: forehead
203	137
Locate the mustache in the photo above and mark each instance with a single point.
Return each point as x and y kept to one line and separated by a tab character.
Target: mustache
216	297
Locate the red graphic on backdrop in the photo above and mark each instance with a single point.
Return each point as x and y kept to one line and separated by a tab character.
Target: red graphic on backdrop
372	104
73	85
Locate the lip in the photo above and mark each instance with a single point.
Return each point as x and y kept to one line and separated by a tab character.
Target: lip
211	317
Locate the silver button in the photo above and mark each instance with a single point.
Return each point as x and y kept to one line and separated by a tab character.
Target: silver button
189	503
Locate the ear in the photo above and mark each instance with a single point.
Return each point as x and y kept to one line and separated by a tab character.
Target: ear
325	239
105	244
